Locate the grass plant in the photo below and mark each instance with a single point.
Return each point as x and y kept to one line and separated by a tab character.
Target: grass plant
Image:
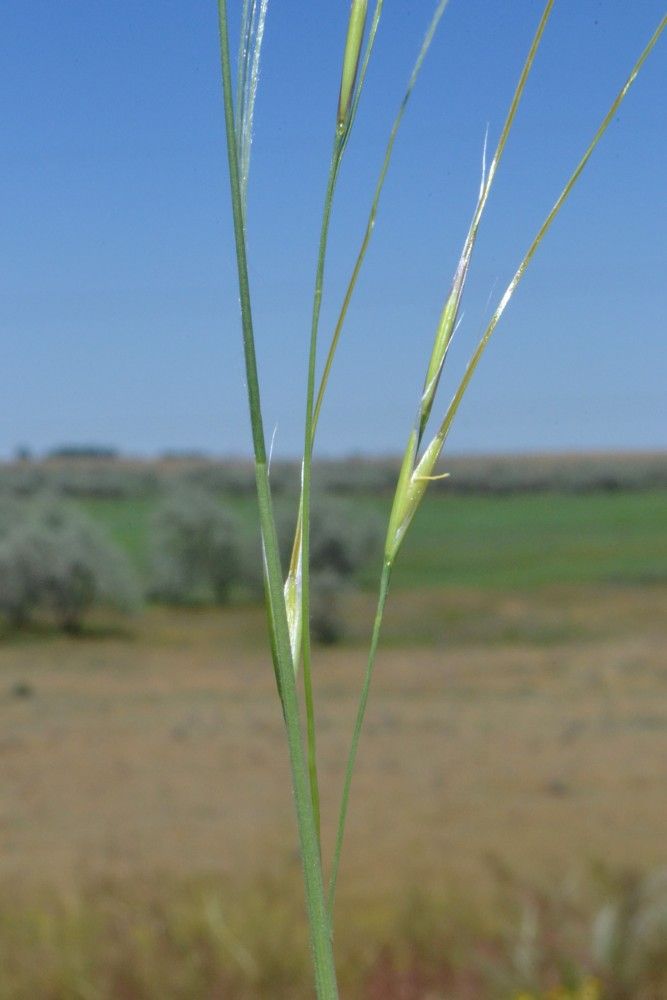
288	601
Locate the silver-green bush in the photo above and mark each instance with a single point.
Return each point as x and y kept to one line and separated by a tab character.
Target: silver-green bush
196	549
53	559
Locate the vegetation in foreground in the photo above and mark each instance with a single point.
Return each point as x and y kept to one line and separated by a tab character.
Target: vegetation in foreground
598	939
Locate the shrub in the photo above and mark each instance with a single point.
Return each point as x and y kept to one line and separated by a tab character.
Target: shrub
342	541
326	619
54	559
10	514
19	584
357	476
196	548
103	480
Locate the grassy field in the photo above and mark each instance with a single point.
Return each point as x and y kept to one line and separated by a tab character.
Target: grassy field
517	737
508	541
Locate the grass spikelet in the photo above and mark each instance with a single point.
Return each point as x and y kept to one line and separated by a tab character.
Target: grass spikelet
441	435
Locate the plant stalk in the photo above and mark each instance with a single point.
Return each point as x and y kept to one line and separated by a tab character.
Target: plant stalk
306	475
325	973
358	725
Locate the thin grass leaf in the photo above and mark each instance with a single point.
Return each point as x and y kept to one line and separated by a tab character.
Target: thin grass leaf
385	579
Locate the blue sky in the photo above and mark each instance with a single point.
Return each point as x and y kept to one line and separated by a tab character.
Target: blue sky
118	303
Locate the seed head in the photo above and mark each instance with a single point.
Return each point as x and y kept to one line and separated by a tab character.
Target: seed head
413	479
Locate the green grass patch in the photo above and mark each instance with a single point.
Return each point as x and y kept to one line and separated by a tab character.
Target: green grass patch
510	542
535	540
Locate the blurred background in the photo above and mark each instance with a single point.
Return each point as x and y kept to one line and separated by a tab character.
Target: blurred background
507	826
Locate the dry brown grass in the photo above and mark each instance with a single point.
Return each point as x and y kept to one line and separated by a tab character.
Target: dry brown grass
536	737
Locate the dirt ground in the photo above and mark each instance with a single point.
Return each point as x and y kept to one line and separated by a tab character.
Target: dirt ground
530	729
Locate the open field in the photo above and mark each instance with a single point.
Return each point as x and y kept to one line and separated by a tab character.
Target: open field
522	732
485	541
516	737
539	736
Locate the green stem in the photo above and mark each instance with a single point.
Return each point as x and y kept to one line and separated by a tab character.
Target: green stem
325	973
358	725
301	548
306	478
